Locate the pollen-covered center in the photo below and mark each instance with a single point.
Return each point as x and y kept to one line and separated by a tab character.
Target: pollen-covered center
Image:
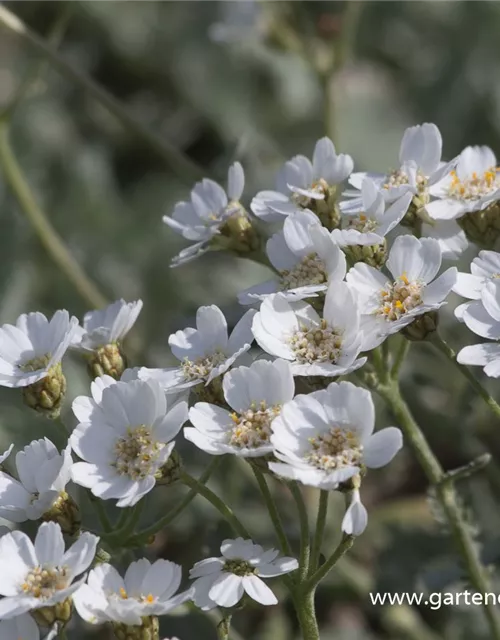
201	368
400	297
399	178
362	223
319	188
476	186
43	582
316	344
239	567
35	364
252	429
335	449
309	271
137	452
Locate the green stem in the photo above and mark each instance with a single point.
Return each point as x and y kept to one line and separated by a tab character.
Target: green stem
185	168
446	496
101	512
320	529
47	235
274	514
223	627
344	546
306	614
305	541
221	507
400	357
444	347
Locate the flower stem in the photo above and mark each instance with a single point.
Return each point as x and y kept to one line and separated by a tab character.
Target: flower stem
445	348
180	164
306	614
101	512
320	530
400	357
222	508
343	547
305	541
446	496
223	627
47	235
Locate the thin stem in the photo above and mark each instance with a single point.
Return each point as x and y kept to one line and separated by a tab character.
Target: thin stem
343	547
221	507
306	614
320	529
399	359
223	627
180	164
305	541
444	347
47	235
273	511
101	512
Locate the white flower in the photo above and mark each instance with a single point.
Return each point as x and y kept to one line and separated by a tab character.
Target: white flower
473	186
43	474
125	435
300	183
484	268
19	628
306	257
107	326
370	224
148	589
451	238
30	349
223	581
209	209
256	395
205	352
315	346
420	166
390	304
43	574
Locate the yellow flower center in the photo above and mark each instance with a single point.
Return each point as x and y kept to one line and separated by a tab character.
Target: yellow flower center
200	368
136	453
476	186
43	582
400	297
336	449
316	344
252	428
362	223
309	271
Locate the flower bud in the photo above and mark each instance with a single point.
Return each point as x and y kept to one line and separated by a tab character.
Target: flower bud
107	360
238	234
60	612
373	255
149	630
169	473
422	327
327	209
416	213
46	396
66	513
482	227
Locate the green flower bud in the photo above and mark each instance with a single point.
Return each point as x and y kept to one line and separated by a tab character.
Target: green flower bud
374	255
66	513
60	612
46	396
149	630
238	234
327	209
169	473
107	360
482	227
422	327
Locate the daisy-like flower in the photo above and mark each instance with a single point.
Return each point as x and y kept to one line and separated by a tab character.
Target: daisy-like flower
223	581
314	345
483	318
483	269
256	395
30	357
205	352
147	590
213	218
43	475
306	257
388	304
41	575
125	436
19	628
326	437
301	184
101	336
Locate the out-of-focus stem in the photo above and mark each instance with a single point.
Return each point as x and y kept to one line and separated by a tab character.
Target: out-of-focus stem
273	511
320	529
305	541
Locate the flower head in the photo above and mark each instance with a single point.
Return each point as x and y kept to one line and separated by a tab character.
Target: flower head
148	589
125	436
43	475
256	395
484	268
314	345
223	581
388	304
42	574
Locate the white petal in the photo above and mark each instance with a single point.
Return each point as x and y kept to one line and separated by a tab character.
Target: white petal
356	517
227	590
381	447
80	555
258	590
49	544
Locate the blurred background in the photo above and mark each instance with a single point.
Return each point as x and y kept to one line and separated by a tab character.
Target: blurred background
220	81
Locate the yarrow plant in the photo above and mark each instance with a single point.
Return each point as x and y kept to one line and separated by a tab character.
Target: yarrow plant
283	388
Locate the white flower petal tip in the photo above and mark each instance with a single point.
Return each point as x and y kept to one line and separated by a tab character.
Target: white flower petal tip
107	326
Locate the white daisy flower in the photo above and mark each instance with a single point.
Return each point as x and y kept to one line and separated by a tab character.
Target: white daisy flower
387	304
472	186
19	628
125	436
370	224
148	589
326	437
314	345
31	349
43	574
204	217
43	475
223	581
205	352
484	268
306	258
256	395
301	184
